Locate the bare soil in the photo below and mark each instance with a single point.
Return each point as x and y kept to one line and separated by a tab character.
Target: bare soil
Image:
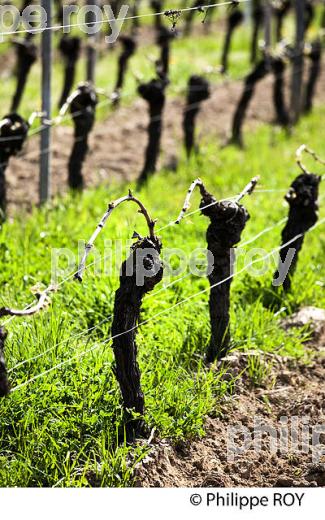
299	390
117	145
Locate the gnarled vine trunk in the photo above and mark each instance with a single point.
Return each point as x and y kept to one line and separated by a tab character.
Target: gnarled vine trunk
13	133
282	115
234	19
164	38
154	93
315	56
139	275
83	110
26	57
257	18
129	47
69	47
198	91
279	13
258	73
302	199
227	221
157	7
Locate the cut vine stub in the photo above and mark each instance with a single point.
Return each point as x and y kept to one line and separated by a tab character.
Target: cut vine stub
13	133
154	93
4	384
140	273
303	214
197	92
83	111
227	221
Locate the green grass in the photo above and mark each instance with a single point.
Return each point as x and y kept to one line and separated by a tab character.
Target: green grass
62	428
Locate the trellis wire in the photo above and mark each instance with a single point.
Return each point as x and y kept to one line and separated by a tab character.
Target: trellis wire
96	345
70	338
72	274
106	20
83	333
59	119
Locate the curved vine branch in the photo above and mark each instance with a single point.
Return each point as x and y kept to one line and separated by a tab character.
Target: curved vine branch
303	148
43	301
249	188
112	205
197	182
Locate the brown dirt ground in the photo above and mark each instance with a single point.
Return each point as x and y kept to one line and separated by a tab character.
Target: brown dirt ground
299	390
117	145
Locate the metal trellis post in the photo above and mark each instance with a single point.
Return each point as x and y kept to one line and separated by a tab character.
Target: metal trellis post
45	152
298	61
